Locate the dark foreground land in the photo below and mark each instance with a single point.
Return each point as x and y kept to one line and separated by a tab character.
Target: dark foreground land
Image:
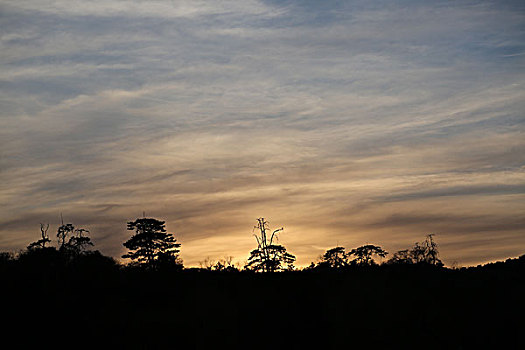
94	303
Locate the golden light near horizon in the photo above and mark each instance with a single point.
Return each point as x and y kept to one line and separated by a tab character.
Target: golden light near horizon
345	123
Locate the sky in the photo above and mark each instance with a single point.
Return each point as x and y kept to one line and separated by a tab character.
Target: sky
345	122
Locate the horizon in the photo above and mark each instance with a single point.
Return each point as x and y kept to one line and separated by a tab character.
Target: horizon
240	262
346	123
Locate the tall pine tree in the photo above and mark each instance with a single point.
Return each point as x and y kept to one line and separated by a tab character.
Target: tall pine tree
151	244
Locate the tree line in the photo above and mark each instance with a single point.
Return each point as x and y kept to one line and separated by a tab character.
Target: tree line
151	247
60	290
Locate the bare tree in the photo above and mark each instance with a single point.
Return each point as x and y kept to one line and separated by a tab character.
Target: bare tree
432	252
425	252
207	264
41	243
268	257
222	265
226	265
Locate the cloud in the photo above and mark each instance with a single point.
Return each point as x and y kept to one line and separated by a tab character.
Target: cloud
345	123
162	9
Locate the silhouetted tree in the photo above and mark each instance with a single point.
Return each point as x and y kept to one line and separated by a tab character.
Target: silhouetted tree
364	255
401	257
426	252
151	245
432	252
169	260
222	265
310	267
225	265
334	258
41	243
418	253
64	231
268	257
73	240
207	264
5	259
79	242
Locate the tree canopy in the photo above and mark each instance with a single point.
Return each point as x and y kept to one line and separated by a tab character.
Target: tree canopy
334	258
364	255
72	240
151	244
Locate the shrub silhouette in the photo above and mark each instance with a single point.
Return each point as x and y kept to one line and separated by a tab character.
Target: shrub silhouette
222	265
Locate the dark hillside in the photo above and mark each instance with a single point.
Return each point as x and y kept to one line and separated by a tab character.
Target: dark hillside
93	302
